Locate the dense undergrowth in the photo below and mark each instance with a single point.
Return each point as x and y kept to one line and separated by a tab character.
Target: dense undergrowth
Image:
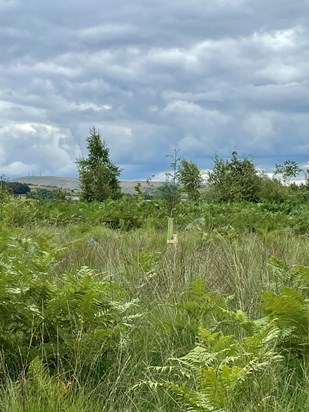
132	213
98	313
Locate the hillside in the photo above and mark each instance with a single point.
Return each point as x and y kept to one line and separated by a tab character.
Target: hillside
72	183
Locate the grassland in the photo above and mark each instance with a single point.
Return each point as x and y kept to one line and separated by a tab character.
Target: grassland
98	313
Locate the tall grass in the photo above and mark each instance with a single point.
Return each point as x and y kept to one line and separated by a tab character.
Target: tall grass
234	265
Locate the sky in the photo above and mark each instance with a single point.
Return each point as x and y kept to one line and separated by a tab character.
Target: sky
153	76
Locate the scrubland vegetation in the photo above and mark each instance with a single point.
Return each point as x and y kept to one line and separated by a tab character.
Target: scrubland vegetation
99	313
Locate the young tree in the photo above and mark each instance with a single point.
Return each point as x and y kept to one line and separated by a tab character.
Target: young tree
98	174
234	180
190	179
288	169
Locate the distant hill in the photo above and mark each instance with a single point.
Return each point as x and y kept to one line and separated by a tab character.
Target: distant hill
69	183
72	183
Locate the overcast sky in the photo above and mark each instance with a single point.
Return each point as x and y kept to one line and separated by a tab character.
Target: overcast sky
203	76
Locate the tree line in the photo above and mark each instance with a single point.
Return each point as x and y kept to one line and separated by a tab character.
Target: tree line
231	180
235	179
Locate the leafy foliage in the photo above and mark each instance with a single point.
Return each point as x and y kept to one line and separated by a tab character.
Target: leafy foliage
98	174
190	179
19	188
5	190
216	324
74	322
288	169
234	180
234	354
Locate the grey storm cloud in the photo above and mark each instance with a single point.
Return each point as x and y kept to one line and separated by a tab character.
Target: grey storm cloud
152	76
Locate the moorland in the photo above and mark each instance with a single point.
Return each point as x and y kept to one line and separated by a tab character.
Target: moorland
99	313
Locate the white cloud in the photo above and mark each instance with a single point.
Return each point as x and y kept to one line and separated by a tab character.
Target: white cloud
18	169
43	143
260	124
280	40
184	107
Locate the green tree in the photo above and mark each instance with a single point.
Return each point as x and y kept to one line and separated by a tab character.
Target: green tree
190	179
234	180
98	174
272	190
19	188
288	169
